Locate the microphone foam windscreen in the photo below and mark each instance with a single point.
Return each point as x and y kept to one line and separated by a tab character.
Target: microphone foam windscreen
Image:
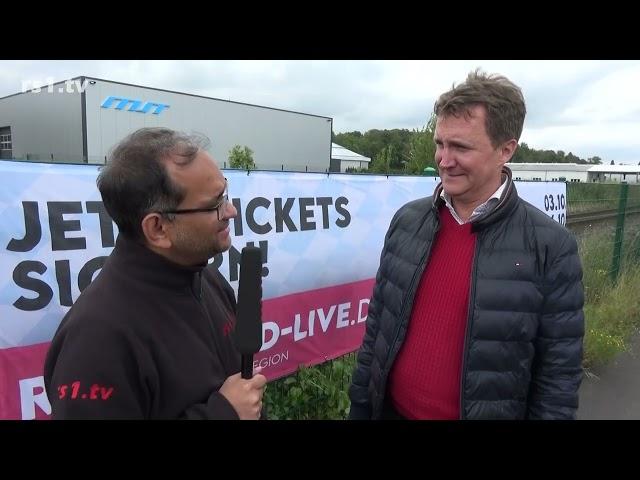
248	330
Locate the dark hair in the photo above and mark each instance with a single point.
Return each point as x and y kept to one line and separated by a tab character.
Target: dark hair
502	99
135	180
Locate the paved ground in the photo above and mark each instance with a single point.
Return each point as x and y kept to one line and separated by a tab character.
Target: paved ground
614	393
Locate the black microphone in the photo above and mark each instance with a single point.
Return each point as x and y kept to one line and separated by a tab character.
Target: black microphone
248	333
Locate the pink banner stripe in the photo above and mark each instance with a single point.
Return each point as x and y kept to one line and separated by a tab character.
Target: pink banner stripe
305	328
312	327
22	394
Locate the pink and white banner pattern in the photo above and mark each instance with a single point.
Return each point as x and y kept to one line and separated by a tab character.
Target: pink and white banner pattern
321	237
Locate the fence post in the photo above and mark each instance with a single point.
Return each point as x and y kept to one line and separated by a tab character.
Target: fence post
617	244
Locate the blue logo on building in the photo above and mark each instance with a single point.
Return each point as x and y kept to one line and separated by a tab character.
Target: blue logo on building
134	105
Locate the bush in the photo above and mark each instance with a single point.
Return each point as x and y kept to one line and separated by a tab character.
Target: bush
312	393
241	157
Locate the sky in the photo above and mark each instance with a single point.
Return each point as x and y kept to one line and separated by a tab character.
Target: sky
589	108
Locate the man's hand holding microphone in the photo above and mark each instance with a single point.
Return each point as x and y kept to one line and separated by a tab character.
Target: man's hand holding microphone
245	389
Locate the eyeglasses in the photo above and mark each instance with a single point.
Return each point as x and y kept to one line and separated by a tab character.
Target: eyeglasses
222	205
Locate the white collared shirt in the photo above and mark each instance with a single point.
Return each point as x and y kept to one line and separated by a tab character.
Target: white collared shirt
482	209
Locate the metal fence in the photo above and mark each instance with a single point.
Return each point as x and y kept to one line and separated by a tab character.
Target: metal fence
610	213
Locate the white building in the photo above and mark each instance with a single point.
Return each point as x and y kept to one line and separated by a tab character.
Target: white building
342	158
615	173
81	119
552	172
573	172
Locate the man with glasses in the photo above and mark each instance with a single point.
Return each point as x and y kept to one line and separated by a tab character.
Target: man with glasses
152	336
477	308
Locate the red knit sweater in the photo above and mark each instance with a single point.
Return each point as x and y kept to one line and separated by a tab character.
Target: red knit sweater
425	380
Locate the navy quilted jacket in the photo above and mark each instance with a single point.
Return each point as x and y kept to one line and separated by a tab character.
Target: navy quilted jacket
523	345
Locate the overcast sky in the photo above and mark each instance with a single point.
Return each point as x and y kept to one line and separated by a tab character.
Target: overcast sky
590	108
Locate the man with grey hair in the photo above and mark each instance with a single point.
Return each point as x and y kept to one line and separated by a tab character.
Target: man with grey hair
151	336
476	311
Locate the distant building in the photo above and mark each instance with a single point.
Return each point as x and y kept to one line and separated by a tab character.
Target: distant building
573	172
550	172
342	158
615	173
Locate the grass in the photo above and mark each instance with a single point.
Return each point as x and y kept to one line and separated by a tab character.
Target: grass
612	308
584	197
611	321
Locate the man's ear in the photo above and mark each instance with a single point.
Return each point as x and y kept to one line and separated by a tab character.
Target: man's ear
155	230
507	150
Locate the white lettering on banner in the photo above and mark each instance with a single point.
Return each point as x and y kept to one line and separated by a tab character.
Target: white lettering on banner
29	398
343	315
275	334
300	333
326	319
364	301
271	360
297	334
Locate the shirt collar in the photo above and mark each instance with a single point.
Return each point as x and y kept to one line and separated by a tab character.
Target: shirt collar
481	209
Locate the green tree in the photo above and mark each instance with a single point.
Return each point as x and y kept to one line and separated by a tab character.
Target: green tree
350	140
522	155
241	157
382	161
422	148
410	151
372	142
571	158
